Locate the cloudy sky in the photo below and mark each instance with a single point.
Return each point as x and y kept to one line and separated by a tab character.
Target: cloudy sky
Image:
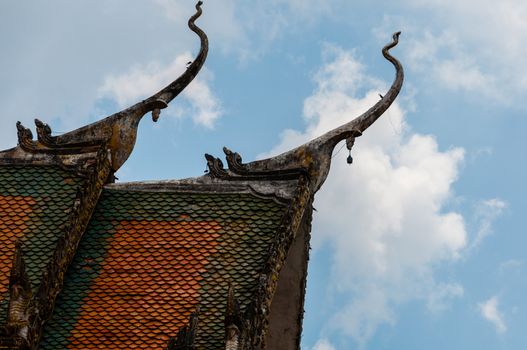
419	244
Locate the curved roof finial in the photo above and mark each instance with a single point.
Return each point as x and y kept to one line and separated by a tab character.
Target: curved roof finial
173	89
118	132
314	157
358	125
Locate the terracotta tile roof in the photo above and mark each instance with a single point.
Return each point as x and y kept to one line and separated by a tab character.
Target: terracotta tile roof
148	259
35	203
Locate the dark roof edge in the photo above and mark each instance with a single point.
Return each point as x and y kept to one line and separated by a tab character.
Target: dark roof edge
305	229
256	315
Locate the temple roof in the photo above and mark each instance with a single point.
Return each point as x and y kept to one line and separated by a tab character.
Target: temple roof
217	261
149	259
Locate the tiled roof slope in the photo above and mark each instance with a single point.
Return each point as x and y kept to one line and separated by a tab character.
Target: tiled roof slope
148	259
35	204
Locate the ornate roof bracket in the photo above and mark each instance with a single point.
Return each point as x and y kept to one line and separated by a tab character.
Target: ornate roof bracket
44	137
186	337
44	134
47	144
234	161
25	137
20	295
215	167
314	157
239	171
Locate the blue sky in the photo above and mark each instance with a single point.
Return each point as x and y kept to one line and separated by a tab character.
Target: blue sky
420	243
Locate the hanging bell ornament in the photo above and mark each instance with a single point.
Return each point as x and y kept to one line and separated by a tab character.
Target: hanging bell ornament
350	159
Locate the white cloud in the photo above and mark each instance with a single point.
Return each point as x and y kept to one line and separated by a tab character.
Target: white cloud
323	344
142	81
219	20
489	310
361	315
384	217
486	212
490	34
446	41
440	56
461	73
472	45
248	29
440	297
510	265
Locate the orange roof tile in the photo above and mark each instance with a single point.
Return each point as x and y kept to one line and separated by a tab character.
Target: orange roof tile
148	259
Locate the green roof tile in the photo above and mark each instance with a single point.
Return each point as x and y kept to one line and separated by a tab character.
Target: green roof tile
148	259
34	206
